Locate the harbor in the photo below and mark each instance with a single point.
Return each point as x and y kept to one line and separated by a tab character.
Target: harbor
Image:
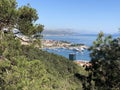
53	44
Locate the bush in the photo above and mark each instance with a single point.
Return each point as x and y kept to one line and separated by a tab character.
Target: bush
105	54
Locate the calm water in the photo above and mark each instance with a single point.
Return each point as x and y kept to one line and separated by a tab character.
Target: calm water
83	39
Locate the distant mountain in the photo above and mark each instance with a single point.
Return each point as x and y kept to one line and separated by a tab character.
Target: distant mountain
116	34
60	32
63	32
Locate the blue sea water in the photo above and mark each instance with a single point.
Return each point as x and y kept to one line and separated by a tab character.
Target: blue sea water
78	39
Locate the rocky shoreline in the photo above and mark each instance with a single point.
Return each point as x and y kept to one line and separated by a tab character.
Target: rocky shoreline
53	44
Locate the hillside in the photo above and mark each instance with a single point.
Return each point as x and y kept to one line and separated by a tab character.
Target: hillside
58	32
28	68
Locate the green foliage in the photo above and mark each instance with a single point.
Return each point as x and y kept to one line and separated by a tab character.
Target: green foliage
9	45
22	18
26	67
29	68
26	18
28	13
8	13
105	54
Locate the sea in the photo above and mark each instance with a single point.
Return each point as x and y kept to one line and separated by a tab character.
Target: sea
75	39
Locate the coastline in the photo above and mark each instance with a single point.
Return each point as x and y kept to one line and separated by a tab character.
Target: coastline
83	63
54	44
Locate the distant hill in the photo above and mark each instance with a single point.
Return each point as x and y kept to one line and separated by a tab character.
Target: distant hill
63	32
58	32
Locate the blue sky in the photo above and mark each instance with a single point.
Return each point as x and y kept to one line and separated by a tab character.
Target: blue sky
84	16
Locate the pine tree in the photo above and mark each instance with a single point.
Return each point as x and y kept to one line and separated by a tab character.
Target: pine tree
105	54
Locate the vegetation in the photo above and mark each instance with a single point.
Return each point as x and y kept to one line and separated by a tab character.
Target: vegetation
105	70
29	68
8	13
26	67
65	41
22	18
77	44
26	18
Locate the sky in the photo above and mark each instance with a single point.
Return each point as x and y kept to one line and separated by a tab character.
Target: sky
83	16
